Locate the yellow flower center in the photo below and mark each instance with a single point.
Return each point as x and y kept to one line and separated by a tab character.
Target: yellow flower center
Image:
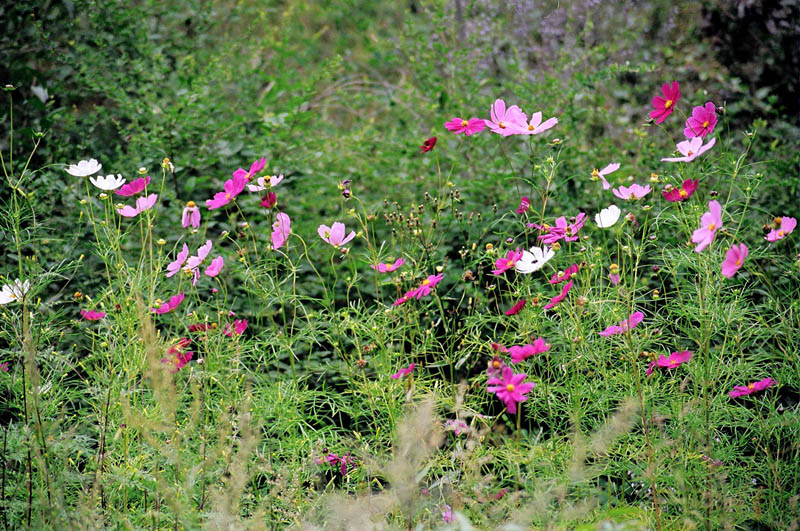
777	221
739	262
464	123
510	387
511	263
712	226
705	124
683	193
496	364
531	127
12	296
751	386
672	362
501	125
227	196
781	233
668	104
191	204
426	282
633	196
690	153
327	235
595	173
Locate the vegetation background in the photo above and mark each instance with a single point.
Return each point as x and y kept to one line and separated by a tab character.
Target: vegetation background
349	89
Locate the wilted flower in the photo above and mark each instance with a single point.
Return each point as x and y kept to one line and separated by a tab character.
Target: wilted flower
702	121
563	276
457	426
428	145
191	215
108	183
734	258
238	328
558	298
663	107
447	514
269	200
84	168
496	364
280	230
524	205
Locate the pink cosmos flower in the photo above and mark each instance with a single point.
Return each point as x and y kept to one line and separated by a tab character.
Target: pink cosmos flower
404	372
447	514
520	353
280	230
215	267
427	286
702	121
174	267
550	235
751	388
496	364
170	305
238	328
233	187
504	121
663	107
4	366
269	200
683	193
468	127
563	276
178	358
624	326
710	223
524	205
613	278
428	145
341	462
504	264
142	204
262	183
510	388
787	225
562	229
386	268
334	235
516	308
200	327
558	298
536	126
674	360
92	315
601	174
255	167
734	258
202	252
691	149
191	215
133	187
632	192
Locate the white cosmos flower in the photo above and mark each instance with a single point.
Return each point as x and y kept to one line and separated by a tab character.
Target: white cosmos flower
14	291
534	259
109	182
84	168
607	217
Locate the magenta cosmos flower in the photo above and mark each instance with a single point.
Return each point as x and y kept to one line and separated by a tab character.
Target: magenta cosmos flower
624	326
710	223
428	145
681	194
786	227
691	149
663	106
404	372
215	267
760	385
92	315
191	216
334	235
558	298
424	289
142	204
734	258
233	187
524	205
238	328
504	264
562	276
562	229
514	310
601	174
702	121
674	360
504	121
202	252
387	268
280	230
133	187
177	358
255	167
632	192
520	353
496	364
510	388
535	126
468	127
170	305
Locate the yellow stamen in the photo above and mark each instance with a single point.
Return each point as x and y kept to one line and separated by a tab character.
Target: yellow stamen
227	196
668	104
738	262
705	124
596	173
191	204
501	125
712	226
690	153
464	123
781	233
531	127
426	282
496	364
683	193
751	386
510	387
